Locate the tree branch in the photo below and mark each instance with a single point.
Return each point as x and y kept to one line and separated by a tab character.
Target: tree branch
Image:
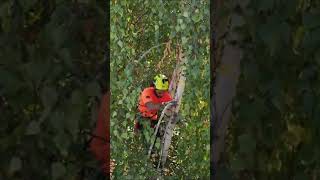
149	50
224	84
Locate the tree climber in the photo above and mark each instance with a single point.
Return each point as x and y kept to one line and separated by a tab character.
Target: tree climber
100	142
150	101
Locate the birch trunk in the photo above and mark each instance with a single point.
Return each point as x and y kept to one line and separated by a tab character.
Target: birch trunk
177	85
225	69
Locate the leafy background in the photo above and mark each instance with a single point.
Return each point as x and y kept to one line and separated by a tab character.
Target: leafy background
51	53
275	125
137	27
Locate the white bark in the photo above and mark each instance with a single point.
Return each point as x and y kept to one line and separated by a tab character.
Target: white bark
226	68
225	90
177	85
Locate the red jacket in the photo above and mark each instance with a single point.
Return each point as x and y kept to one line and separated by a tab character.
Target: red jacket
149	95
100	144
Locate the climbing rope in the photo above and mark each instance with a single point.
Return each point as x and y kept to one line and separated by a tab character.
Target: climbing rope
176	89
154	136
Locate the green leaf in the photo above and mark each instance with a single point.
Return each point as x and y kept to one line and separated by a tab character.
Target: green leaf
37	71
177	28
237	164
147	136
312	40
27	4
300	176
33	128
285	31
72	121
128	115
306	155
65	55
115	133
196	17
247	143
237	21
120	43
308	103
248	113
58	36
84	1
183	26
298	37
93	89
57	170
157	145
251	73
77	97
156	27
269	34
316	117
124	135
57	120
10	81
114	114
264	5
142	170
15	165
277	101
62	142
311	20
49	96
125	123
186	14
184	40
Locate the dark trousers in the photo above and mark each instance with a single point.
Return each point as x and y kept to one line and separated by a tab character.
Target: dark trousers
140	120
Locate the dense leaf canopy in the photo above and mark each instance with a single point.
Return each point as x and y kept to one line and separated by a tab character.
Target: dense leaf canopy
139	30
274	132
50	58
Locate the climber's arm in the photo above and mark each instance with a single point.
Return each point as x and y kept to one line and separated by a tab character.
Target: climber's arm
146	100
169	100
100	146
152	106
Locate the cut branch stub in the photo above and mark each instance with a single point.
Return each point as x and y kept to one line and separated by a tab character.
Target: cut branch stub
177	86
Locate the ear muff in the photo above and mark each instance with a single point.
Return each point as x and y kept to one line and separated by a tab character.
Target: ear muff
161	82
164	81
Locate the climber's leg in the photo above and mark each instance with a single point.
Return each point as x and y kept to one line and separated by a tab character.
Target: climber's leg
138	124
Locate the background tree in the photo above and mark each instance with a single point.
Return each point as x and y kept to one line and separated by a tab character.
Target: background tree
274	128
50	77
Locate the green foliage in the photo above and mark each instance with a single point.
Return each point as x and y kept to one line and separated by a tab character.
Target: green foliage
275	130
50	55
138	29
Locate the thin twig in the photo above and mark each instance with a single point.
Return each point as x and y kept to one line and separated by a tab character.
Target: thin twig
149	50
94	136
222	115
166	52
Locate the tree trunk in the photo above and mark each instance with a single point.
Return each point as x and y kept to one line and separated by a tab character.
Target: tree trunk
100	144
225	71
177	85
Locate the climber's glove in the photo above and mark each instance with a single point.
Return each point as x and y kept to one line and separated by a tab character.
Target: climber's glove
172	103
